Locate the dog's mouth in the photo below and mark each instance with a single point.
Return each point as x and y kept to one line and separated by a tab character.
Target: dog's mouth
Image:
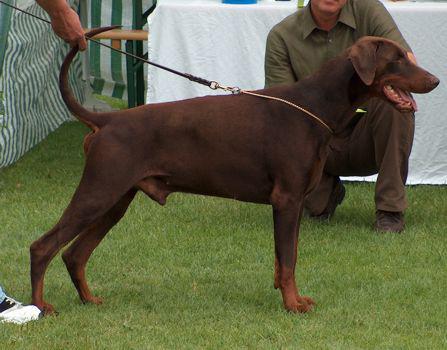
402	100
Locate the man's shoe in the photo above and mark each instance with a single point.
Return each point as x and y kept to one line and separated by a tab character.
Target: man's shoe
14	312
389	221
20	314
335	199
9	304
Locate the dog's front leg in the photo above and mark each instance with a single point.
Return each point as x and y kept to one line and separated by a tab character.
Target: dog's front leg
286	217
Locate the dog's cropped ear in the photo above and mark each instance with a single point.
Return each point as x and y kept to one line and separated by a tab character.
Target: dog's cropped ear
363	56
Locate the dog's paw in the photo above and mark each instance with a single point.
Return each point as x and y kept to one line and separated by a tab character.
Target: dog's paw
302	304
303	299
48	309
96	300
298	308
93	300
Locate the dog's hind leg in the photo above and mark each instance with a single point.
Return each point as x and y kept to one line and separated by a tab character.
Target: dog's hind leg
77	255
99	190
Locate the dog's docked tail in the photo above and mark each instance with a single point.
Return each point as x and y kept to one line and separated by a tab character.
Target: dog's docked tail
93	120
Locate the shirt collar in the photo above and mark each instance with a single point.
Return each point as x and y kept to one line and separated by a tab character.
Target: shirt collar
346	17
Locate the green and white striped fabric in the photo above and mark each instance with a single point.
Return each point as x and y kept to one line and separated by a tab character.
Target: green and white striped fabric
32	106
30	59
107	67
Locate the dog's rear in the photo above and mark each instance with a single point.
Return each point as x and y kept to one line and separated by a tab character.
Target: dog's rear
238	147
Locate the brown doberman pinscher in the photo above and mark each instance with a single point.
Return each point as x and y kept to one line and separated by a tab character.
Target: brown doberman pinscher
235	146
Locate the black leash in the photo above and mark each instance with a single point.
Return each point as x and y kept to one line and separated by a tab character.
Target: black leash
210	83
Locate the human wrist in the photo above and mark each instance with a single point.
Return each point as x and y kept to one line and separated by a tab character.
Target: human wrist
56	9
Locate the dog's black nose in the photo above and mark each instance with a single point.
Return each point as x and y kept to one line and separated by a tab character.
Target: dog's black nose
433	82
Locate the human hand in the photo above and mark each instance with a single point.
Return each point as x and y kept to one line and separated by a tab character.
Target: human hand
66	25
412	57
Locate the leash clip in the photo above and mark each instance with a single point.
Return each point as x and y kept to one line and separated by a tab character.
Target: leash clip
214	85
235	90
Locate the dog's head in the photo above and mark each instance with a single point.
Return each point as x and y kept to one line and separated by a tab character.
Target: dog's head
386	69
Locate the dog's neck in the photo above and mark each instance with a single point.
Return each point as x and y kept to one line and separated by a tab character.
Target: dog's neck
334	92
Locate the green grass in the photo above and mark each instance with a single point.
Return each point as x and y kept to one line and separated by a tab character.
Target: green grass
115	103
198	273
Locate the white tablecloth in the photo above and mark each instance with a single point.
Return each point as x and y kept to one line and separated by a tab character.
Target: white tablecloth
226	43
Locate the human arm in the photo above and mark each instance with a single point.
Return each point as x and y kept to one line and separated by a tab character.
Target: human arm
65	22
277	65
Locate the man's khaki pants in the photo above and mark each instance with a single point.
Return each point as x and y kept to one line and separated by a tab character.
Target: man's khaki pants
380	144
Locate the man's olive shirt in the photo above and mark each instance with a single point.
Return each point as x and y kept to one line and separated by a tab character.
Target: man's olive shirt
296	47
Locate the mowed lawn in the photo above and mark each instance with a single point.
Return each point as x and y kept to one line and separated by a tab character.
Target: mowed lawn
198	273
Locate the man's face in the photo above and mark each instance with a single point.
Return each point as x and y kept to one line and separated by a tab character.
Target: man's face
327	7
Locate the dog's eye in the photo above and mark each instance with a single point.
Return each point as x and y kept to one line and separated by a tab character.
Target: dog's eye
394	66
398	60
